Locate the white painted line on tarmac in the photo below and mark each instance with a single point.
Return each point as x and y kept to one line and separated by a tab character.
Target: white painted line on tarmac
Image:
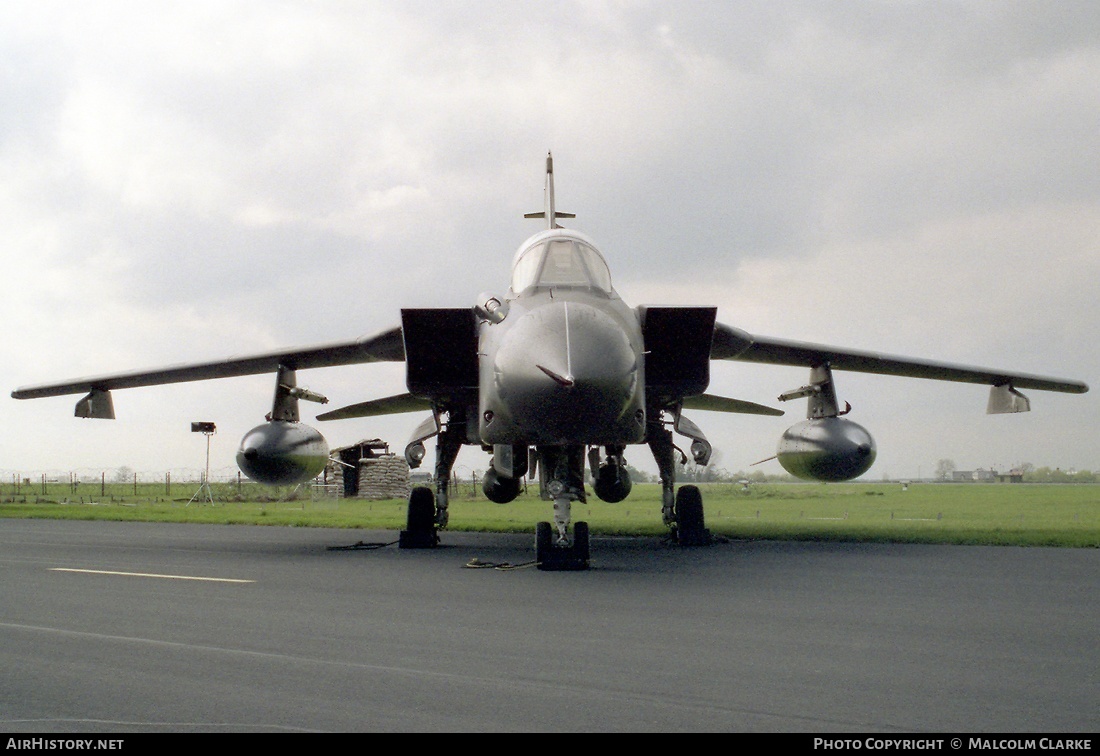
152	575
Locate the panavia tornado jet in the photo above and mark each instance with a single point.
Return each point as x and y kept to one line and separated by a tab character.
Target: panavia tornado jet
557	376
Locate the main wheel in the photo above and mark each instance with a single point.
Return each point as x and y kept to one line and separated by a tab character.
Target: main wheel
421	514
419	530
690	527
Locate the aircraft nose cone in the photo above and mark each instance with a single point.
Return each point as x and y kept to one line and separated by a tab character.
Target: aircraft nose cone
566	372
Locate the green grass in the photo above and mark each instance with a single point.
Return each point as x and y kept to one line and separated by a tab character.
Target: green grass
1003	514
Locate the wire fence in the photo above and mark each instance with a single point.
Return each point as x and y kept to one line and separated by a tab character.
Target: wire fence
86	485
83	485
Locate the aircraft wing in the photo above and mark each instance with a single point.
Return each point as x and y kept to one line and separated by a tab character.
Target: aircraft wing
724	404
390	405
734	344
386	346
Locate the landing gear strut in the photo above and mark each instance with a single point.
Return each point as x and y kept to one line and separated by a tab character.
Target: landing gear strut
682	510
561	479
428	509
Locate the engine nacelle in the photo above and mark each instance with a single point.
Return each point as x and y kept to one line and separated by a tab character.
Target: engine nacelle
282	453
828	448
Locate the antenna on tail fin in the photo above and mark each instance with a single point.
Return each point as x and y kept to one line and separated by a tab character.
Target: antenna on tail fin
550	213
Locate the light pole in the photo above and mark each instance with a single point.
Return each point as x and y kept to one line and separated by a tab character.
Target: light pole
207	429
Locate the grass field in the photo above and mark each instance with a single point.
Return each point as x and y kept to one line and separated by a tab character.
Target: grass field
1003	514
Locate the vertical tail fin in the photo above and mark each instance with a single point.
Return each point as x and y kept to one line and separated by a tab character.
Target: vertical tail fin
550	213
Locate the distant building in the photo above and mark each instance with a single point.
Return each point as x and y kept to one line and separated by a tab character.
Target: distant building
983	476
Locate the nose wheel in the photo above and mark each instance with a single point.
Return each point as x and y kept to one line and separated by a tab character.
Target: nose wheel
554	555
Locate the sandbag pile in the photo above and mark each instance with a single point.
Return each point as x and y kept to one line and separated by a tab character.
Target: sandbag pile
384	477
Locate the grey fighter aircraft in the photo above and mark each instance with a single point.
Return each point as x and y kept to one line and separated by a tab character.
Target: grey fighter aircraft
558	374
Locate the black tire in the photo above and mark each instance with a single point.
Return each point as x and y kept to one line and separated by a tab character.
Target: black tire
544	534
421	515
553	558
690	527
580	541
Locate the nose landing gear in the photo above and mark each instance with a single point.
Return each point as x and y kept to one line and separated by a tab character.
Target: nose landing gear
557	554
562	481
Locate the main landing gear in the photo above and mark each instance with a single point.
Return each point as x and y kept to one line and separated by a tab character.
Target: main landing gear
562	545
428	510
419	530
683	509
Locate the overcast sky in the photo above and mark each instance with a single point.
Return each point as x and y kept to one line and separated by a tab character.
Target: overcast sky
187	181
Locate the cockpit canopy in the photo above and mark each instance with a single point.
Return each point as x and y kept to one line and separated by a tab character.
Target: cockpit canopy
558	259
